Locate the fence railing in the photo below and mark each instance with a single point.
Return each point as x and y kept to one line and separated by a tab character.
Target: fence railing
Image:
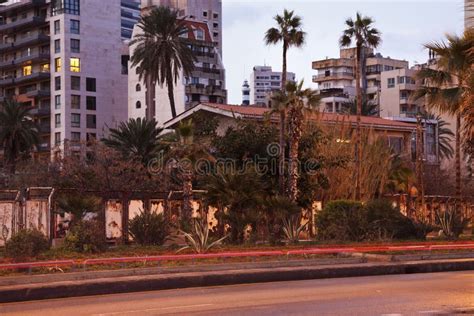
83	264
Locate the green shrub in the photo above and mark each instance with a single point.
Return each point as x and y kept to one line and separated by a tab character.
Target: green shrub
86	236
386	222
342	220
26	244
149	229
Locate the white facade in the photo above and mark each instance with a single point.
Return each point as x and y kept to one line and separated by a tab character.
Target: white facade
263	81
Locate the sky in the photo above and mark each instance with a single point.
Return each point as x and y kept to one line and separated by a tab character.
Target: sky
405	26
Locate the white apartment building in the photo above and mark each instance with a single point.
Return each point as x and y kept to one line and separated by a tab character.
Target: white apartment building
130	12
263	81
336	77
65	58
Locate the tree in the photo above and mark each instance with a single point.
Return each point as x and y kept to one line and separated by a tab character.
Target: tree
136	139
185	153
161	53
364	35
78	205
445	136
445	86
18	132
368	109
289	33
298	101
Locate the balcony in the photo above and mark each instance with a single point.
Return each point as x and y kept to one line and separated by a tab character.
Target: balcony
22	23
44	128
33	77
27	41
38	93
20	5
333	76
210	90
44	57
40	112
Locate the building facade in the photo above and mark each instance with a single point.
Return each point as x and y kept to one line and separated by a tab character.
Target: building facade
245	93
64	59
263	81
336	77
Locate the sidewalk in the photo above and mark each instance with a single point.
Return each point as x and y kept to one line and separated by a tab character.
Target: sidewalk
134	280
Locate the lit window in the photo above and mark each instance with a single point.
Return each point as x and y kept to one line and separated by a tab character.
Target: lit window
57	64
26	70
75	64
44	68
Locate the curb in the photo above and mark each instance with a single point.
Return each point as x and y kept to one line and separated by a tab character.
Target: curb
187	280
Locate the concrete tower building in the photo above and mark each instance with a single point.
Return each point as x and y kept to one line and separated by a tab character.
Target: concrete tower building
65	59
246	93
263	81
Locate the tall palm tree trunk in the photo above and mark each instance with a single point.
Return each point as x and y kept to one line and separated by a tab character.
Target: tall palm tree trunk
187	194
358	151
295	118
170	84
281	169
458	155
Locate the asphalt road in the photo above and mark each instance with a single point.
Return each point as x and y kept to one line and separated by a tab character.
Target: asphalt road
416	294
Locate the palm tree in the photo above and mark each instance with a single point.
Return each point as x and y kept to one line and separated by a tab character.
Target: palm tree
368	109
289	33
18	132
446	87
161	52
445	136
136	139
364	35
298	101
186	153
77	205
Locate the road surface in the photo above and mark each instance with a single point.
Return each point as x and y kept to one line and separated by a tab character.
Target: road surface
415	294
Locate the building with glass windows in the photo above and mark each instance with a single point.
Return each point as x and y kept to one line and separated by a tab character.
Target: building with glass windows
65	59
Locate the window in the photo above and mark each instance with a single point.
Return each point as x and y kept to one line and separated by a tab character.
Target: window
91	103
75	137
75	83
57	139
138	88
215	34
91	84
57	64
75	101
26	70
215	24
75	64
199	34
57	102
138	105
75	45
57	46
75	27
387	67
57	120
215	15
390	82
401	80
44	68
57	27
91	121
57	83
204	13
75	120
65	6
195	80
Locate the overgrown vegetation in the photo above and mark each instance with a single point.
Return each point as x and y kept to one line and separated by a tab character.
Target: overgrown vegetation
149	229
26	244
86	236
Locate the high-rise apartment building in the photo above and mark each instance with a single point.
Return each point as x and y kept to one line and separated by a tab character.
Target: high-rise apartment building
64	59
336	77
130	12
245	93
263	81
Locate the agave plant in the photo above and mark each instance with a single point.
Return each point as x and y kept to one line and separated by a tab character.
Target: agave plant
198	238
292	228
